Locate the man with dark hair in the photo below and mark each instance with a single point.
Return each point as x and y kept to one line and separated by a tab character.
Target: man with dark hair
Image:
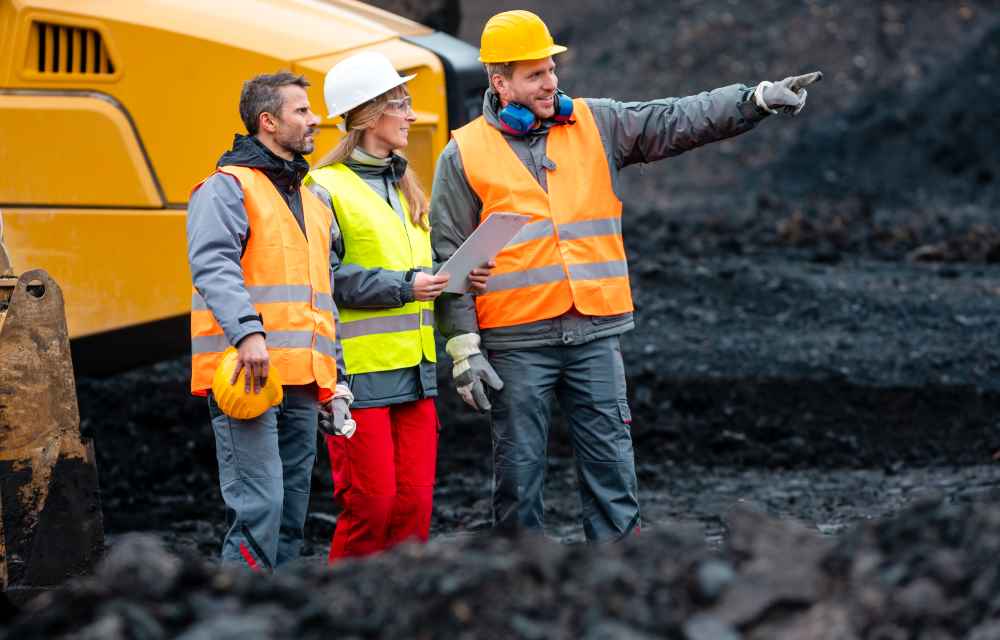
259	250
557	302
263	93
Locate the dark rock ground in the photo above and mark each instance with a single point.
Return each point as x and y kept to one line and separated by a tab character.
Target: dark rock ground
815	377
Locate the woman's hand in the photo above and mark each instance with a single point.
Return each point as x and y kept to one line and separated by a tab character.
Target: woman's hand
478	276
427	287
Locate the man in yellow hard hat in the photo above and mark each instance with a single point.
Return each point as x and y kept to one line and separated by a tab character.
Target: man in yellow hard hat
559	297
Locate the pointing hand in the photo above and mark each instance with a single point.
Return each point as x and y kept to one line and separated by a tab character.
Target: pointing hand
787	96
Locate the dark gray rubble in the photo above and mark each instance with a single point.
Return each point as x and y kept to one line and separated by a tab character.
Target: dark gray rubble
928	573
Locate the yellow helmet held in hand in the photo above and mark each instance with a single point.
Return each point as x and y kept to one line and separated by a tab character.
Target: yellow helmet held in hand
233	399
516	35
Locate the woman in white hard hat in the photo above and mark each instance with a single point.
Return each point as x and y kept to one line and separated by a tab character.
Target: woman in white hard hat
384	469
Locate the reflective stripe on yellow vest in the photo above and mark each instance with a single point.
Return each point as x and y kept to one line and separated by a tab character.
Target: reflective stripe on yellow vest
375	236
571	253
288	279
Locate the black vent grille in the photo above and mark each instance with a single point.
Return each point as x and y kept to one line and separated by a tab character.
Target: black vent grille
71	50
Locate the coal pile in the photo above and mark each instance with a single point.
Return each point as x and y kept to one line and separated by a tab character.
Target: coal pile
894	157
932	569
928	573
921	167
155	453
934	143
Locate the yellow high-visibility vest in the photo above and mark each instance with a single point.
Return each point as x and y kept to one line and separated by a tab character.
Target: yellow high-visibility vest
375	236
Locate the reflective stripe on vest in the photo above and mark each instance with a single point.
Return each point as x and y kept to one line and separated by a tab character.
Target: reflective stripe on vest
276	293
288	280
376	236
571	254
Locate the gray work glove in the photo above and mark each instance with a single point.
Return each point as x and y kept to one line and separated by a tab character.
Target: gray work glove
471	370
787	96
335	415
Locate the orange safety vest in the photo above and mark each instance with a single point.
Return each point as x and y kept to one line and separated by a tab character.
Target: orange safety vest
571	252
288	279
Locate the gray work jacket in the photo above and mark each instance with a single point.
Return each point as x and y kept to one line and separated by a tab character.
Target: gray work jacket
631	132
358	287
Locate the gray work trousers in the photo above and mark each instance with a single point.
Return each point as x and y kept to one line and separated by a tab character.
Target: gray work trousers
265	471
589	382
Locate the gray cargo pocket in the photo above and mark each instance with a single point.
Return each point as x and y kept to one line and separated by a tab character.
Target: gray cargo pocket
621	383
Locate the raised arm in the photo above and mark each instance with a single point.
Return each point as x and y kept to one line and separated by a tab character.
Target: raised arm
649	131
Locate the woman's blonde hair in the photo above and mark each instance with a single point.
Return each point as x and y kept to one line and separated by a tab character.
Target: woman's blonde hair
359	120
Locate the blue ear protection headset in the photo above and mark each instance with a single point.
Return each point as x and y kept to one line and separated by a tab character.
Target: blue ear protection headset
517	120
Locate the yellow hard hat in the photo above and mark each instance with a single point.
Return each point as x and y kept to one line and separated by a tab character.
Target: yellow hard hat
516	35
233	399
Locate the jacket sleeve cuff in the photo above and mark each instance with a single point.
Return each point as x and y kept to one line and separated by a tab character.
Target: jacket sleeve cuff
406	290
462	346
344	391
245	329
748	106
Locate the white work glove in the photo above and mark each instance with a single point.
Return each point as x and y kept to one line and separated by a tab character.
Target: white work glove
335	415
471	370
787	96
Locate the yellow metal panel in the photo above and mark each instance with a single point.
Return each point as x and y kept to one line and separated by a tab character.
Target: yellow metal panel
180	66
284	29
402	26
60	28
186	104
182	94
420	154
117	268
6	37
87	142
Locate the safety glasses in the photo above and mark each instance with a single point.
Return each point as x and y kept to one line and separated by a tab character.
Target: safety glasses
399	106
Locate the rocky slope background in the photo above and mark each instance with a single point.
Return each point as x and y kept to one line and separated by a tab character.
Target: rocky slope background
815	376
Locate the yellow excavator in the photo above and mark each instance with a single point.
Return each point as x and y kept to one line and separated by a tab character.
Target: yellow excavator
110	111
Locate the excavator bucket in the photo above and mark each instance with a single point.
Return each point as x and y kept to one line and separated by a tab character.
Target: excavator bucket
51	526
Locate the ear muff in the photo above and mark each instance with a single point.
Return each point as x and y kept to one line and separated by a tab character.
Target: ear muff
517	120
564	107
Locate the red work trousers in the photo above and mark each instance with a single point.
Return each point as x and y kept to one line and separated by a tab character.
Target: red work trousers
383	477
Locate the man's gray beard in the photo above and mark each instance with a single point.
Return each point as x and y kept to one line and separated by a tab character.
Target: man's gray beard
300	147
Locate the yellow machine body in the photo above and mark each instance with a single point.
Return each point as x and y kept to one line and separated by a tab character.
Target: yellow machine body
110	111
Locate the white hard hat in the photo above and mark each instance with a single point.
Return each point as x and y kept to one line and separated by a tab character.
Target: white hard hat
357	79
